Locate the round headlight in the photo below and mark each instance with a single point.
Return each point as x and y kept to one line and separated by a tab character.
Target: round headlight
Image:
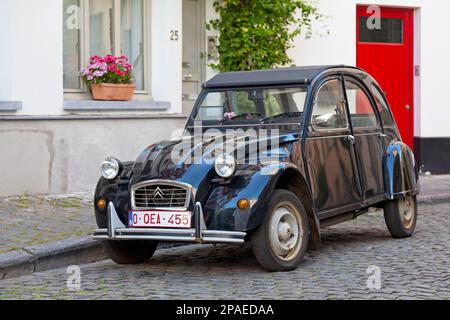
110	168
225	165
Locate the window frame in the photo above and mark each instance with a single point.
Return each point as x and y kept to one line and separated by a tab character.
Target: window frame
379	42
84	52
374	87
196	109
369	96
312	127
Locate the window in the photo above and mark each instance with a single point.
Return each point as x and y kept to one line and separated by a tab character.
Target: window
383	108
362	113
100	27
329	107
391	31
279	101
252	104
72	48
213	107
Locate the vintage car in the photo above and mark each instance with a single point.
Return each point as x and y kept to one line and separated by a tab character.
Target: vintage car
331	151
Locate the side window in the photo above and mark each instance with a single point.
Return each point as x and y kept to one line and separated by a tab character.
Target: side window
212	107
362	112
383	109
329	107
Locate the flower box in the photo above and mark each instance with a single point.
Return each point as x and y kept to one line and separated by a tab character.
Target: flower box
113	92
110	78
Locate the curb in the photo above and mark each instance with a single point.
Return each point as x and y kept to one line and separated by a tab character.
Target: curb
60	254
78	251
436	199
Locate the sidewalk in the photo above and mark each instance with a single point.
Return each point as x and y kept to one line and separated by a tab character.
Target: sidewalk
434	189
38	233
33	220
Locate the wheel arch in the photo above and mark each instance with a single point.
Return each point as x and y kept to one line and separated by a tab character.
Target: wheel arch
292	180
401	174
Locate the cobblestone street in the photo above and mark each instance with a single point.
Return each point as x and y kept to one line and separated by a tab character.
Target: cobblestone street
411	268
33	220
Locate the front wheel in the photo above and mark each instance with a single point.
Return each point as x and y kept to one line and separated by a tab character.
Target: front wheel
401	217
130	252
280	244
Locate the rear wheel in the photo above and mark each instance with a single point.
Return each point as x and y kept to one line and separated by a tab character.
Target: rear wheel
401	217
130	252
280	244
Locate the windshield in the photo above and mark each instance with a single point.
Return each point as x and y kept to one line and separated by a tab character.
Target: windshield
254	104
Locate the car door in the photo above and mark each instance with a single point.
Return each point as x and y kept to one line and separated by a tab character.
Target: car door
368	134
329	151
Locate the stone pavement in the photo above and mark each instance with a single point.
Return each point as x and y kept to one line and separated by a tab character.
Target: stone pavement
415	268
33	220
434	188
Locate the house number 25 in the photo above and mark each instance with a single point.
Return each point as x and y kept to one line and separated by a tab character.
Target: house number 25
174	35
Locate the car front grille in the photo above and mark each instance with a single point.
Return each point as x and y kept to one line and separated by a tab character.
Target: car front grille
160	195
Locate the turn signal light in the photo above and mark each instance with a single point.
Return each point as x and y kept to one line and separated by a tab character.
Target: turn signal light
243	204
101	204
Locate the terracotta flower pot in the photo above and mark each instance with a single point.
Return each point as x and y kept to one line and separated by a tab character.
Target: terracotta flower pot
113	92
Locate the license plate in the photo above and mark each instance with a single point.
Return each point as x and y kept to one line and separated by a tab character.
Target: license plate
160	219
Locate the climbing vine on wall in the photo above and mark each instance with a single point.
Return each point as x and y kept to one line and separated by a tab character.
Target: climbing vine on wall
257	34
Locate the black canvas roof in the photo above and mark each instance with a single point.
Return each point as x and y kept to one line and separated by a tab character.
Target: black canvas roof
281	76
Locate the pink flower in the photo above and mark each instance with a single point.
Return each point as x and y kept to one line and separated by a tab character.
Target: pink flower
85	71
112	68
110	59
95	58
229	115
98	74
109	65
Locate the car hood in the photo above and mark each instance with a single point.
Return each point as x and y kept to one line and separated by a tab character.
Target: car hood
190	160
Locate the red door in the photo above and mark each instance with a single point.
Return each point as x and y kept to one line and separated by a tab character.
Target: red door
386	51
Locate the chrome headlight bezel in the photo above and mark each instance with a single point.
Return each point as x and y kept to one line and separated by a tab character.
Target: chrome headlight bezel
225	166
110	168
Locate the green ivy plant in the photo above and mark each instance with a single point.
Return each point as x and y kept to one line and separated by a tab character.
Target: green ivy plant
256	34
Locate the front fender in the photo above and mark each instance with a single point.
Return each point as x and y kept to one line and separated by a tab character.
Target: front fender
402	177
255	183
115	191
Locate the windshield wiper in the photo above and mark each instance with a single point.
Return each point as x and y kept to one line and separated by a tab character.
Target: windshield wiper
286	114
243	115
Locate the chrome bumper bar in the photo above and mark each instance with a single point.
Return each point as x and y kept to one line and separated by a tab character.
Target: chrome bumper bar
118	231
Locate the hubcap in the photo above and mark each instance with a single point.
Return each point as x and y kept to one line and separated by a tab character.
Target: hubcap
407	211
285	231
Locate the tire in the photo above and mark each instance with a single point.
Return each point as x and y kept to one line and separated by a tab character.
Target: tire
130	252
401	217
281	242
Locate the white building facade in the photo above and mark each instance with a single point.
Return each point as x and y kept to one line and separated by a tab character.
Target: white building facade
53	136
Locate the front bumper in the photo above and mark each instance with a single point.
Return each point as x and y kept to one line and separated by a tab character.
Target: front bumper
118	231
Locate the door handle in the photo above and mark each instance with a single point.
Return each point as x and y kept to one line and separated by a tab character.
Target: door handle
408	107
188	76
351	139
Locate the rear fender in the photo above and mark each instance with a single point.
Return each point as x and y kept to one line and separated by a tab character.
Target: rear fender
401	174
